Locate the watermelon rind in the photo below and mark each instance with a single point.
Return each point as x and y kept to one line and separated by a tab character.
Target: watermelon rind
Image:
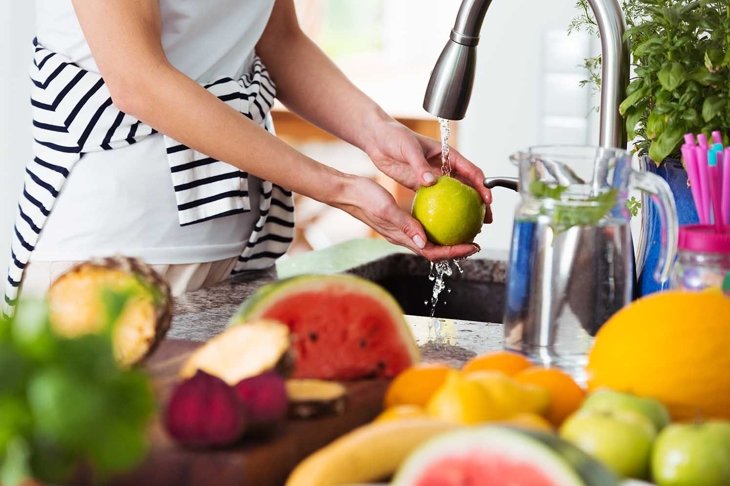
269	295
564	463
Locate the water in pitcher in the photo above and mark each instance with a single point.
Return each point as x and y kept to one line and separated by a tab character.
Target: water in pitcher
563	285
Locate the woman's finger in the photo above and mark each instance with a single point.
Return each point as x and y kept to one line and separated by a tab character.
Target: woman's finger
437	253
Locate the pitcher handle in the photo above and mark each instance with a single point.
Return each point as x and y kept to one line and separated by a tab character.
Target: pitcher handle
662	196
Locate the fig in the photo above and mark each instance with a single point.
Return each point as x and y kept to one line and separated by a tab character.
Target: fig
242	352
314	398
264	399
76	303
204	411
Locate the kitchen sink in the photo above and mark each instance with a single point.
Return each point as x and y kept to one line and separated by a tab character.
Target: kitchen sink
476	294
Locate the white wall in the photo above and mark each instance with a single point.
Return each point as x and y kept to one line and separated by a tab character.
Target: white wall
16	34
504	114
508	99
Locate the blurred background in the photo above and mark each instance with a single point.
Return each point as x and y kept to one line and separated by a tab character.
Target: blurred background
526	92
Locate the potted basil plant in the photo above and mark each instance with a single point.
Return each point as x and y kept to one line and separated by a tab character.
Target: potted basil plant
680	83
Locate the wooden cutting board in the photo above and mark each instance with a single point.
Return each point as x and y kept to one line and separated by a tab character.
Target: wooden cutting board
254	462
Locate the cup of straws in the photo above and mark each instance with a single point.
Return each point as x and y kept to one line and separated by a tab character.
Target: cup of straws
708	168
704	249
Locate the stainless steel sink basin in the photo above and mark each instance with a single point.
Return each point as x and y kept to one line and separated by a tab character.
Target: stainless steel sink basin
477	294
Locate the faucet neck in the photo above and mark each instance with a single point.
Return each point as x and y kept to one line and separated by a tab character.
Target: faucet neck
469	21
449	89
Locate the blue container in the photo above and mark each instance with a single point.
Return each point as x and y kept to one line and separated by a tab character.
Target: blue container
674	173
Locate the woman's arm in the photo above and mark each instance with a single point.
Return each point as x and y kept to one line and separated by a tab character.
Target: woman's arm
125	39
309	84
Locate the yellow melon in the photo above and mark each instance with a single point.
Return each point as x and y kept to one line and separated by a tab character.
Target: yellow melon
672	346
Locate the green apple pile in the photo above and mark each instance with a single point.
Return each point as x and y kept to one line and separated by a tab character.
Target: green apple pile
634	438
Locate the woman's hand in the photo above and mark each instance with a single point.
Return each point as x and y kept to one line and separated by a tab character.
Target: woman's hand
372	204
414	160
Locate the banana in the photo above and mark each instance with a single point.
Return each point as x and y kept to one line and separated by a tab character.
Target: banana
368	453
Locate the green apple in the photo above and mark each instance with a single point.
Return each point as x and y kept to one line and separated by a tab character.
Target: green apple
607	400
692	454
620	439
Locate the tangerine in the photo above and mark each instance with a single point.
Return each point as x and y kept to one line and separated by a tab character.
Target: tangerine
507	362
565	394
416	385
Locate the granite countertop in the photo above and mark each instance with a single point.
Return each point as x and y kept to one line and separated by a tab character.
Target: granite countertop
204	313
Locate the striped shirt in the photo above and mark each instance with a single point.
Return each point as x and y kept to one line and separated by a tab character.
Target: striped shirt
73	114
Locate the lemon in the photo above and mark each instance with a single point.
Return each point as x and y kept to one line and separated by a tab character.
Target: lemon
451	212
510	396
463	401
530	421
401	412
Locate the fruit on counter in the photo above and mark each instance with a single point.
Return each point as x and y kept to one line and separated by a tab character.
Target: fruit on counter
204	411
450	211
507	456
265	401
566	396
531	421
607	400
242	352
344	327
692	455
416	384
506	362
369	453
401	412
310	398
670	346
509	396
621	439
465	401
78	301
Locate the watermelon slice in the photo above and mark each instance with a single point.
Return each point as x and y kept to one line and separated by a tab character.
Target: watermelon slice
343	327
501	456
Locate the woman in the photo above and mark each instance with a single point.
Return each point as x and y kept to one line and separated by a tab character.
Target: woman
141	100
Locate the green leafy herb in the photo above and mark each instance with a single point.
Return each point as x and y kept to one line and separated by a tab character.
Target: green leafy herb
66	402
633	205
681	59
574	212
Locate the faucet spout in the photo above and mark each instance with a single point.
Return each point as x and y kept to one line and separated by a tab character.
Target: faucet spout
450	86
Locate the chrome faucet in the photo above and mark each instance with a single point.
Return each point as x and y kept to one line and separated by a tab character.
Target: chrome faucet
450	86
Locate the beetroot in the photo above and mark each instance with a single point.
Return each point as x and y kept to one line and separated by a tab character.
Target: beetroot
264	399
203	411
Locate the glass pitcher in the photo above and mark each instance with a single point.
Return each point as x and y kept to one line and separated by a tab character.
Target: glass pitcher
571	260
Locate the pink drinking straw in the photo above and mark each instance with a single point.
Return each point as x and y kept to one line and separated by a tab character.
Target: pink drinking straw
690	163
716	137
701	155
726	187
713	171
702	140
689	139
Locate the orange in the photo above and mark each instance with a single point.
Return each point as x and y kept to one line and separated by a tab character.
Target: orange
565	394
670	346
415	385
507	362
